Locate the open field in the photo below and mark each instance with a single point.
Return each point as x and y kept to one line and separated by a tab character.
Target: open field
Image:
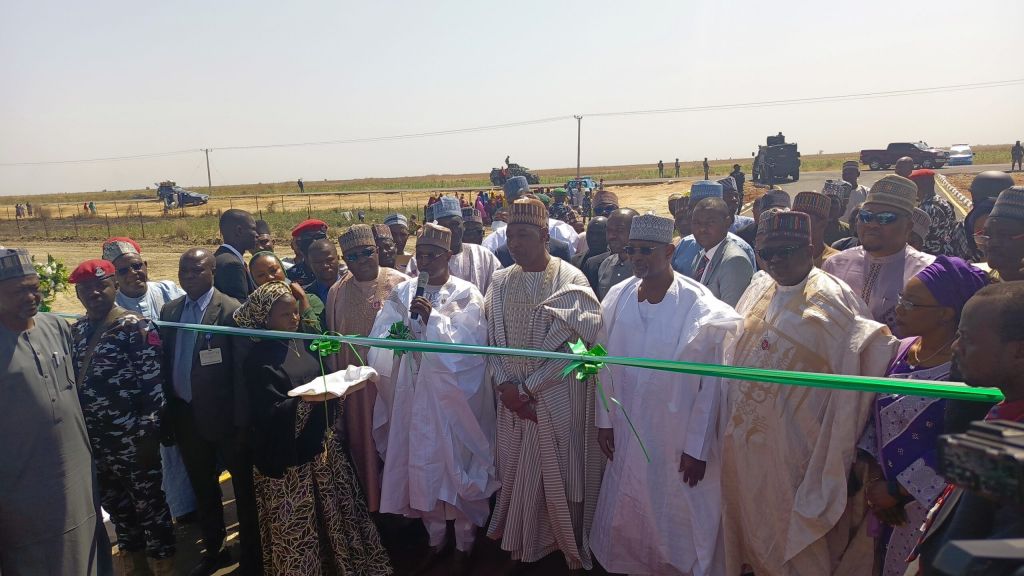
984	154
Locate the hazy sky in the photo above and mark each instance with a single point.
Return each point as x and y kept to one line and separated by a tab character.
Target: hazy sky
105	78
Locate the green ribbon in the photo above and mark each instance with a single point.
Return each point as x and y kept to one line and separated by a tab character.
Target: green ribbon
927	388
324	347
399	331
589	368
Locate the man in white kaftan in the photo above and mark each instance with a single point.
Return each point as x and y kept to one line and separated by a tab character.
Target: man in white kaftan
434	416
787	451
651	517
470	262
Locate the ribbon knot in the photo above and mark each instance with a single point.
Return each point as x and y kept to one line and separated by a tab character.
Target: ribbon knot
399	331
325	346
585	368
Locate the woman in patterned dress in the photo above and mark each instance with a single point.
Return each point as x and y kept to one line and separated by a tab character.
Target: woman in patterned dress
313	519
904	482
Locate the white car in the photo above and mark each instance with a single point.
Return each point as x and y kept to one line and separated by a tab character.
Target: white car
960	154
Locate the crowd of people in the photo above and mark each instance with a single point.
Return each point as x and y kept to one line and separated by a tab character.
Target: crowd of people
638	471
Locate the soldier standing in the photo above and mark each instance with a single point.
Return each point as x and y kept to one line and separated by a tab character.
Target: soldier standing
707	169
117	359
677	167
661	169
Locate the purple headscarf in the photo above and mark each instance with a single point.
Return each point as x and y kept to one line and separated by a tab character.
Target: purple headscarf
952	281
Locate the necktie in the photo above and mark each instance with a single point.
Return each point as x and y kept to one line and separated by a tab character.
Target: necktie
698	274
184	349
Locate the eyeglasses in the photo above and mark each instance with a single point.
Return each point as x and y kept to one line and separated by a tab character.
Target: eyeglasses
883	218
986	239
909	306
355	256
136	267
604	210
782	252
645	250
428	256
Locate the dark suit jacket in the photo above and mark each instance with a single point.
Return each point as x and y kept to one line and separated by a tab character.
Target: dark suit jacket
592	266
219	401
232	277
557	248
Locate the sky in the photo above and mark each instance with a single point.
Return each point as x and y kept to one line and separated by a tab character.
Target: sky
101	79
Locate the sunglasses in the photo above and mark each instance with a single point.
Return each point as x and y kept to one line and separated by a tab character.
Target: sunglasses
136	267
909	306
883	218
604	210
645	250
986	239
355	256
782	252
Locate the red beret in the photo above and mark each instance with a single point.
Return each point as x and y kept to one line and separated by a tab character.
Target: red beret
92	270
311	225
922	173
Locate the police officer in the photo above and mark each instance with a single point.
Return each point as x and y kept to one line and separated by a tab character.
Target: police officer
117	360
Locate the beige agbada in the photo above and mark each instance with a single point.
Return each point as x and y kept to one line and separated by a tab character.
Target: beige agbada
351	308
550	471
787	450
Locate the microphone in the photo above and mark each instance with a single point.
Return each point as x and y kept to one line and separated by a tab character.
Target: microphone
421	285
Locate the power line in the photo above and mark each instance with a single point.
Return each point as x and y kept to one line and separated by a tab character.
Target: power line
817	99
551	119
107	159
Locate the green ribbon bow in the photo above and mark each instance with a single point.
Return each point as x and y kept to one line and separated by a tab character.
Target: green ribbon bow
325	347
586	368
399	331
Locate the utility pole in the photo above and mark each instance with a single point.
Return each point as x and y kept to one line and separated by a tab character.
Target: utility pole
579	127
209	183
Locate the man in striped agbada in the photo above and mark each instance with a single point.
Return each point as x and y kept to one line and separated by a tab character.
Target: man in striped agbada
547	456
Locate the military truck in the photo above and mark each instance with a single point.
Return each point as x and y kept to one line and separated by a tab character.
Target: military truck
776	160
500	175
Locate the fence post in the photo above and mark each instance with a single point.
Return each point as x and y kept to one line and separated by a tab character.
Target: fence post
116	213
401	195
338	196
309	206
60	213
283	208
18	222
231	202
258	204
107	218
46	228
142	222
74	219
369	198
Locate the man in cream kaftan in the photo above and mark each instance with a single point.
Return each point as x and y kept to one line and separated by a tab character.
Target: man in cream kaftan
787	451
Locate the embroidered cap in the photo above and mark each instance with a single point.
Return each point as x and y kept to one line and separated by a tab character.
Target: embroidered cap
1009	204
784	226
922	222
116	247
528	211
357	235
447	207
514	187
772	199
702	189
381	231
652	228
397	219
16	263
472	215
435	235
606	197
813	204
895	192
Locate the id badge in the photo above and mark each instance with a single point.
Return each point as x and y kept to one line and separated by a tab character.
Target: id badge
210	356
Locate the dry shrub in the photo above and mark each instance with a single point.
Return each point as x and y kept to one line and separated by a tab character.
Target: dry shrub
180	232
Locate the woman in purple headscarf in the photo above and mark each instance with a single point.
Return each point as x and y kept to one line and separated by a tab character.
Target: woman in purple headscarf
903	435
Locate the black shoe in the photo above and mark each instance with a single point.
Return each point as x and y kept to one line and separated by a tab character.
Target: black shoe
210	564
433	556
460	563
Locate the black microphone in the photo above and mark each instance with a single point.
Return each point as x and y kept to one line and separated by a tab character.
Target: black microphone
421	285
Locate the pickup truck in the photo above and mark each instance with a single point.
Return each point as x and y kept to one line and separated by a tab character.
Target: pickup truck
924	156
